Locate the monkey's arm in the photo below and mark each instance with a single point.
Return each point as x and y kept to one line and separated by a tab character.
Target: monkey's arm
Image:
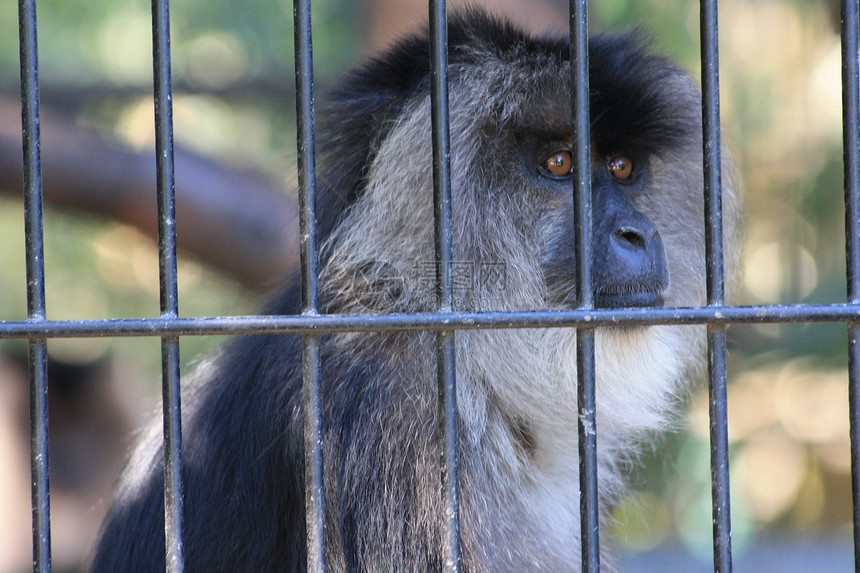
243	485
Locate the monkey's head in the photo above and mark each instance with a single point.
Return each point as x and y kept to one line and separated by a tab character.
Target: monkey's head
510	118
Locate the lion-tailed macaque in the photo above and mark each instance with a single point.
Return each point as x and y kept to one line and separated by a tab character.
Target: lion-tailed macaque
516	388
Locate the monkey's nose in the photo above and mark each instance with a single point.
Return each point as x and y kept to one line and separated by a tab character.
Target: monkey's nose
635	251
629	237
630	265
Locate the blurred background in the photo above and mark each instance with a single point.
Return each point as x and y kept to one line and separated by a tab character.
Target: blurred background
234	119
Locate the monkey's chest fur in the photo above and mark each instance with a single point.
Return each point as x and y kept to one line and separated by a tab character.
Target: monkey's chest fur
517	444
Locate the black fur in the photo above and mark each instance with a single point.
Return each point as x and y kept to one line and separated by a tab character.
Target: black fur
624	78
243	449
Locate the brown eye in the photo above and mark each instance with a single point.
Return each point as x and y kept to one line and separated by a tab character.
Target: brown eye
558	164
620	167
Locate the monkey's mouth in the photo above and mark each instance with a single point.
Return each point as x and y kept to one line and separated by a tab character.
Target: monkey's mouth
634	299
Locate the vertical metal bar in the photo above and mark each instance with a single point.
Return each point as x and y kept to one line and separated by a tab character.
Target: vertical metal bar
173	485
721	509
715	287
851	159
37	347
585	364
314	485
445	354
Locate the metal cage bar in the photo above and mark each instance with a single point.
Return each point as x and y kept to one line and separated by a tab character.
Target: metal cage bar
589	511
851	158
457	320
37	349
444	254
309	256
715	275
174	499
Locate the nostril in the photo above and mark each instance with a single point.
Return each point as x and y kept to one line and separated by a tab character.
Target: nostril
632	237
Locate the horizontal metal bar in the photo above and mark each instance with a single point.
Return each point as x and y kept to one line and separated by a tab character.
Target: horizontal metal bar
298	324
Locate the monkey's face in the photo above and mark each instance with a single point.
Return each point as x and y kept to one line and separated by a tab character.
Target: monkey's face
645	182
629	260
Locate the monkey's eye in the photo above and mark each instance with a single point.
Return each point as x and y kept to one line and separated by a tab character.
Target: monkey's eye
620	167
558	165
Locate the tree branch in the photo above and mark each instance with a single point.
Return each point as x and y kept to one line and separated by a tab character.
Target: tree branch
239	223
